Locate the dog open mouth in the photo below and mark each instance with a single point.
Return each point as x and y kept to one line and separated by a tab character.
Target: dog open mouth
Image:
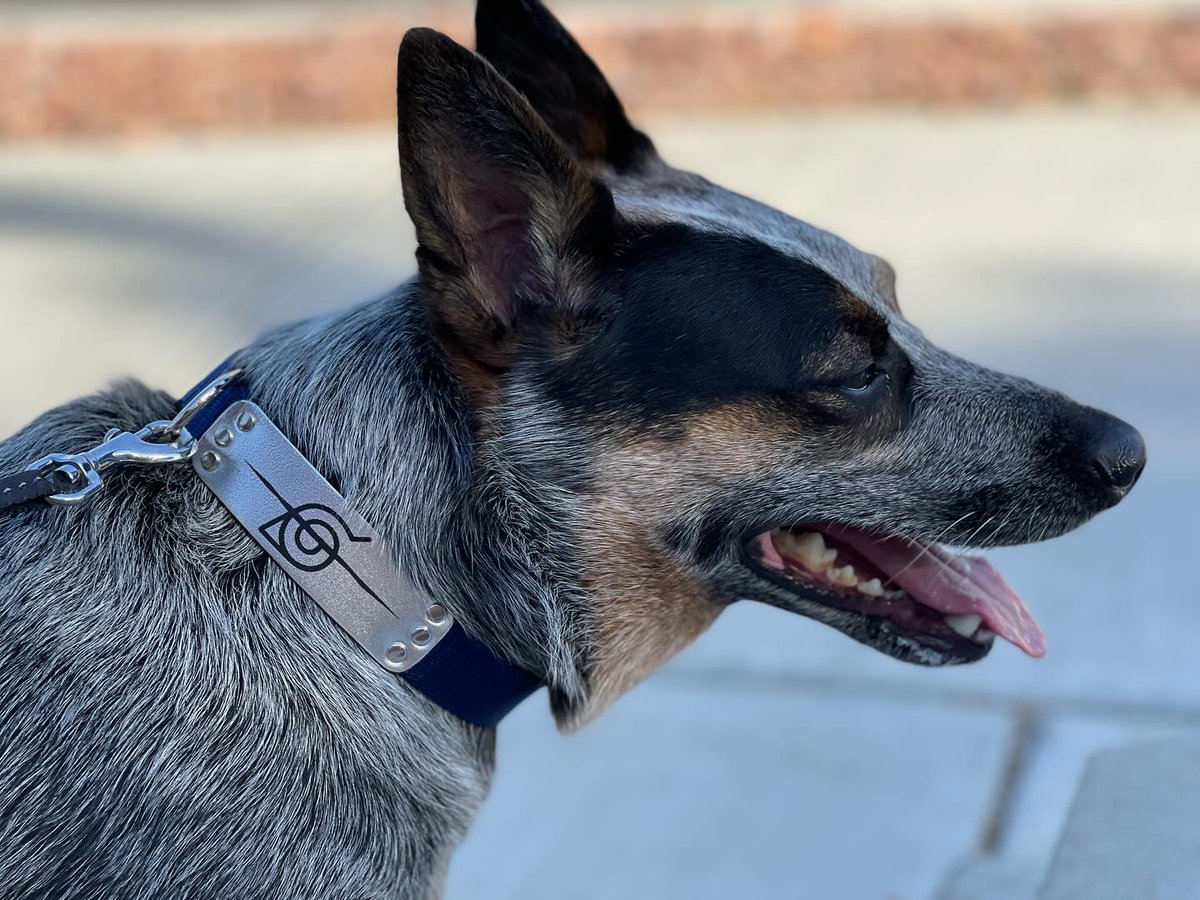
948	601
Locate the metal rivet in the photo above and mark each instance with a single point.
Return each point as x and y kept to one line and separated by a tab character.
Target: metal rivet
436	614
246	421
396	653
420	636
209	460
223	438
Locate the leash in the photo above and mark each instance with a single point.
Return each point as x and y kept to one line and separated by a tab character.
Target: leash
308	529
35	484
70	479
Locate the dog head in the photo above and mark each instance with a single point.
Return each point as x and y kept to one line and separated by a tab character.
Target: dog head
724	402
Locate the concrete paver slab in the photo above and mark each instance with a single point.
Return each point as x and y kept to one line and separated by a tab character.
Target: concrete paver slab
993	878
1133	829
684	792
1056	761
1052	764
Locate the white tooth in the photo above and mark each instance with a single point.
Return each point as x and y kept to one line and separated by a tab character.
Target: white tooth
871	588
810	550
965	625
786	538
828	557
844	576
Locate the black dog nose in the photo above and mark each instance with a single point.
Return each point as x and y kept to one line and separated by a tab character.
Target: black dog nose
1118	455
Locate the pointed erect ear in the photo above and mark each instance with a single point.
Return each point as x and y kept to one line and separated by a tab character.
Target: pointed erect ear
533	51
510	229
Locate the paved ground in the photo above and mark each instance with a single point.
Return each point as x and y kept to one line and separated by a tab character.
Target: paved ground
775	758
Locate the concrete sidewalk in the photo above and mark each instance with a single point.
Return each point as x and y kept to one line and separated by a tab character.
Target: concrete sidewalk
1061	245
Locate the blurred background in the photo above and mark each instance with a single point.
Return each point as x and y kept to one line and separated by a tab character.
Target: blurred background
177	176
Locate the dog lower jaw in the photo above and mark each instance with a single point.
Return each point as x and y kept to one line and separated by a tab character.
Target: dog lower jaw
884	618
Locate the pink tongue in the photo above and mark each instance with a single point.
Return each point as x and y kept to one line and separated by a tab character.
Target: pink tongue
950	583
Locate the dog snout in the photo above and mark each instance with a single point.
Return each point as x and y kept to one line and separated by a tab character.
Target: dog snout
1113	454
1119	456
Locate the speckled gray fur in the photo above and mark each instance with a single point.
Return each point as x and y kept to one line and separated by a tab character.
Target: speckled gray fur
180	721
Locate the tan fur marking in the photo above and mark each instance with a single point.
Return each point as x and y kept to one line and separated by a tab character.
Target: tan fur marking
648	606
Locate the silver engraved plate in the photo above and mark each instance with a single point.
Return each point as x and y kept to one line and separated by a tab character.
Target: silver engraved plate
318	538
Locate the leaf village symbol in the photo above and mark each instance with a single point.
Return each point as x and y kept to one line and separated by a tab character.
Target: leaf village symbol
309	537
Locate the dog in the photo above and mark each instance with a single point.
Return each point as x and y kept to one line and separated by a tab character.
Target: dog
616	399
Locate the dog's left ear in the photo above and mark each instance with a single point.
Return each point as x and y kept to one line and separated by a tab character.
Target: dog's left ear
512	232
532	49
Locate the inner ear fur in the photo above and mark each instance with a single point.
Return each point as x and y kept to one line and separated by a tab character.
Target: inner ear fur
533	50
511	231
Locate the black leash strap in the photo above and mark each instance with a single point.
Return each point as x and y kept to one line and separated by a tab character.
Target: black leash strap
73	478
29	486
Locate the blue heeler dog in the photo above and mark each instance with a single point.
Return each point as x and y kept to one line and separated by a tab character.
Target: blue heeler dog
615	399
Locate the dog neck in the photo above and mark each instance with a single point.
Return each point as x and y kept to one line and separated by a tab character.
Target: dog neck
368	398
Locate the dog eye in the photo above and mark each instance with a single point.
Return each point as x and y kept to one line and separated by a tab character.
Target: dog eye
860	382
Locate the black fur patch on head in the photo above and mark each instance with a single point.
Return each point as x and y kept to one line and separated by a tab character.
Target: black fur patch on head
707	319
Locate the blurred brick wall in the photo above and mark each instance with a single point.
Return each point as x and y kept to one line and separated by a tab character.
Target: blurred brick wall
122	81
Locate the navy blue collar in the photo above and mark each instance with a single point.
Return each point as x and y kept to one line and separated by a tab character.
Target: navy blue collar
460	674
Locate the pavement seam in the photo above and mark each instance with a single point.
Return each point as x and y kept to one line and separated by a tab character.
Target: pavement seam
1027	732
972	698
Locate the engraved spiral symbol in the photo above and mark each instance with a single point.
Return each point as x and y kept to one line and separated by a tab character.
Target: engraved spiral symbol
309	537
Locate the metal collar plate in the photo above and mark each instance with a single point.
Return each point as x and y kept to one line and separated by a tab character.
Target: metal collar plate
322	543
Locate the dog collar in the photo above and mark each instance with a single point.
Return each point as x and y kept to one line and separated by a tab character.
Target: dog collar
339	559
309	530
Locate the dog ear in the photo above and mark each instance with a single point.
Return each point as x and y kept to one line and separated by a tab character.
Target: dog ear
532	49
884	277
510	229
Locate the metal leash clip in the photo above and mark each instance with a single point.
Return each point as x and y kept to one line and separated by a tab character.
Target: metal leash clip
159	443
